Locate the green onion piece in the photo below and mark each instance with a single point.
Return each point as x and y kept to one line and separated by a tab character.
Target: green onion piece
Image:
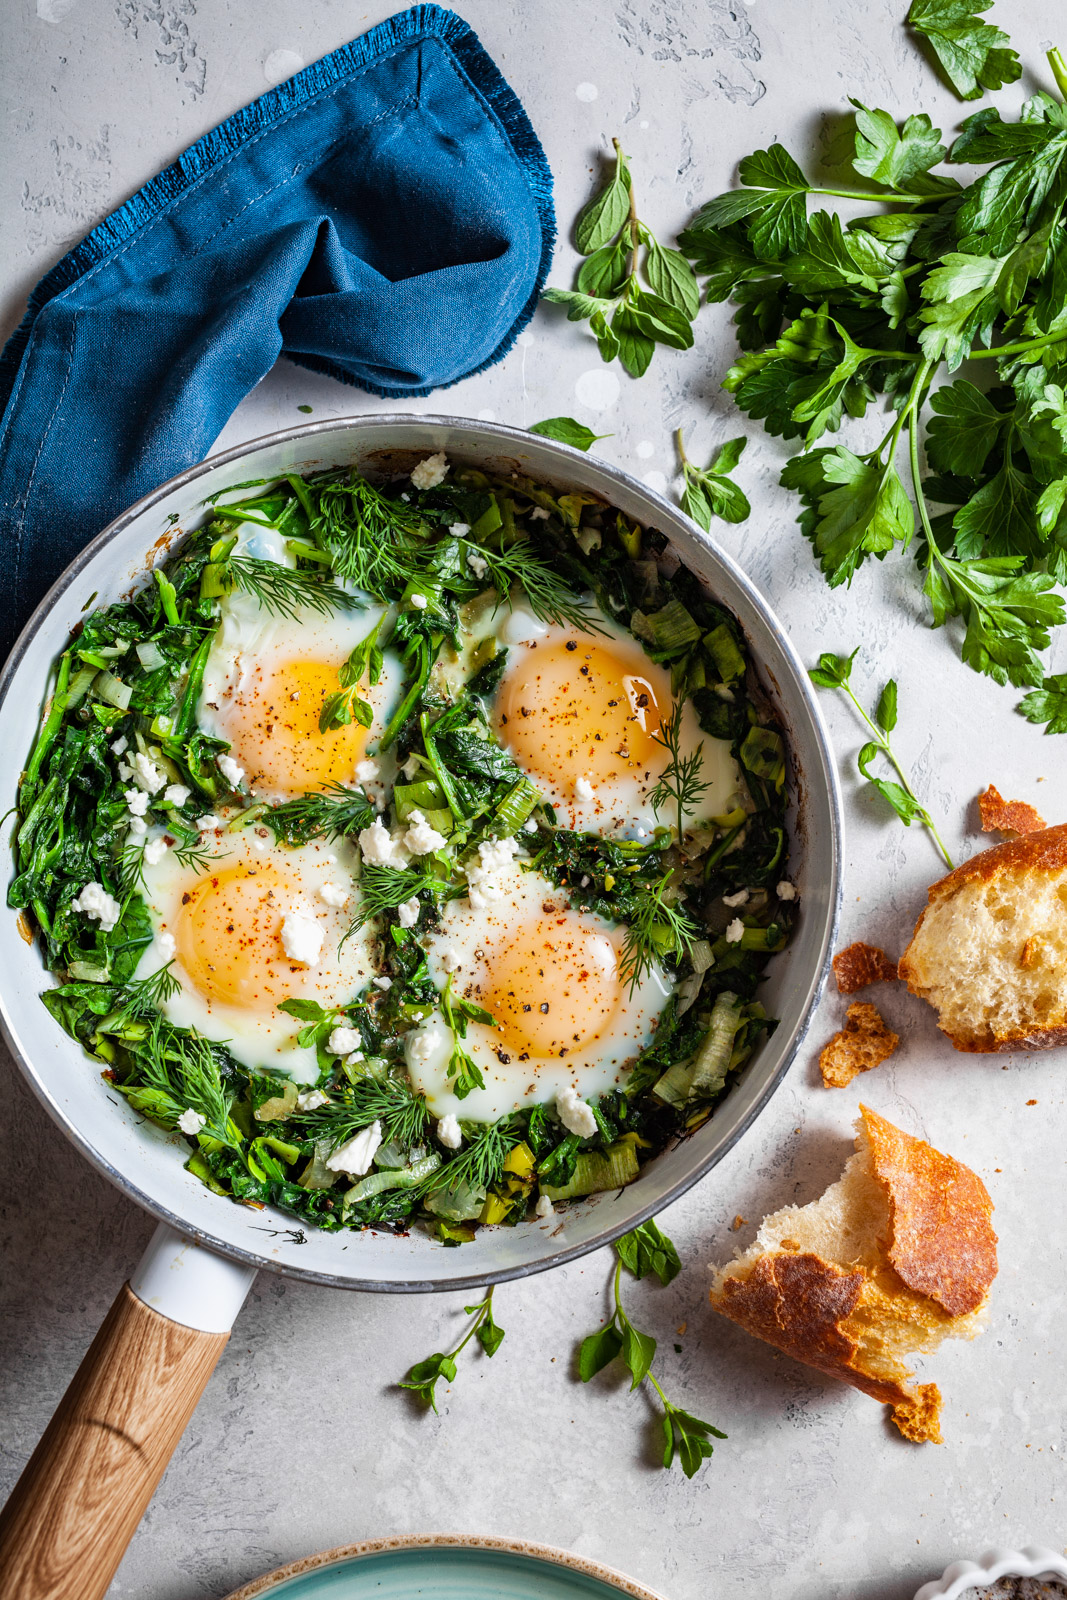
762	753
317	1175
113	690
199	1168
79	686
596	1170
670	630
700	955
712	1060
769	938
149	655
409	797
722	648
673	1088
515	808
88	972
489	521
456	1202
629	537
279	1106
407	1178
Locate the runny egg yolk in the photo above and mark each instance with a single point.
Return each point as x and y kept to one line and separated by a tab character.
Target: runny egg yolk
272	723
551	985
588	707
228	937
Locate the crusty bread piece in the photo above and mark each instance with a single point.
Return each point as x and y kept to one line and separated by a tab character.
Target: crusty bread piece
998	815
864	1042
990	950
896	1256
859	965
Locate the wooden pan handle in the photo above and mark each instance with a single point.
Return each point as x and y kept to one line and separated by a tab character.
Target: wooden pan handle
85	1488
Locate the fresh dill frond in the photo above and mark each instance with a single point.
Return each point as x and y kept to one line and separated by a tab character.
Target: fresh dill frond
550	596
149	994
385	888
480	1163
329	813
372	540
286	591
131	869
180	1065
401	1111
195	856
680	782
657	929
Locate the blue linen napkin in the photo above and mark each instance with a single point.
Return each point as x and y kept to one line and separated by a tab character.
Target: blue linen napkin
384	217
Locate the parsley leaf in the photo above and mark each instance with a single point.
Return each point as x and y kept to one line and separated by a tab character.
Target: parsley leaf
1048	704
973	55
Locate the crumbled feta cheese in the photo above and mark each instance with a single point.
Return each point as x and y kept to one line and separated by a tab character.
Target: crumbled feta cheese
785	890
538	514
154	851
137	801
449	1132
367	770
167	945
205	824
408	912
95	903
544	1207
406	498
354	1059
334	894
302	938
356	1155
450	958
483	876
383	983
459	530
125	771
343	1041
586	881
421	839
176	794
724	692
737	899
191	1121
419	601
382	848
138	827
735	931
430	472
145	774
412	765
231	771
478	564
120	746
530	825
575	1113
583	790
311	1100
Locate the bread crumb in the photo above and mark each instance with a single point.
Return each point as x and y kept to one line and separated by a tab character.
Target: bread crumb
1007	816
1033	950
860	965
739	1222
1031	1102
680	1330
864	1042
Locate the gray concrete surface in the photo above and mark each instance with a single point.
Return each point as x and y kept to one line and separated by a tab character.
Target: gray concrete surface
301	1442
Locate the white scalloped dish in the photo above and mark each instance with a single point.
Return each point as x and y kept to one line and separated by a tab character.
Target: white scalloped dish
981	1580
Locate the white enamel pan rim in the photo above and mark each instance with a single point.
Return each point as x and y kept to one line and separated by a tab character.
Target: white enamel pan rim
409	433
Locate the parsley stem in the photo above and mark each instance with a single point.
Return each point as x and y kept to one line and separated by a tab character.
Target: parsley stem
887	197
1018	349
882	741
481	1311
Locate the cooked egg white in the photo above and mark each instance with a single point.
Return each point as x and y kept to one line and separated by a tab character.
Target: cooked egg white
549	976
267	679
223	930
579	712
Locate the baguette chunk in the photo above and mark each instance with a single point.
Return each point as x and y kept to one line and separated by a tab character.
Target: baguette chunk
896	1256
989	953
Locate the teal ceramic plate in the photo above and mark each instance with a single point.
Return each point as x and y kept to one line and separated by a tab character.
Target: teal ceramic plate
444	1567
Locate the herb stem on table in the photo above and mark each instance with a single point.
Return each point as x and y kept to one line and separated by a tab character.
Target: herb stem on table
424	1376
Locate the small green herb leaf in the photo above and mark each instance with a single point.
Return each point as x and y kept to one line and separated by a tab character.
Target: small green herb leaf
1048	704
567	431
973	55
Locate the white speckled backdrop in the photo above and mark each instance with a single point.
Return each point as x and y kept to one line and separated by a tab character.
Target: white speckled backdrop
300	1442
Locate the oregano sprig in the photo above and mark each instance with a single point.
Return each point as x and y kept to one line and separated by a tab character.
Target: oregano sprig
646	1250
633	291
834	672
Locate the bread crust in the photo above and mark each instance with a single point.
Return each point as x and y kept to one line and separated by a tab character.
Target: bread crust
941	1239
1032	853
1007	816
939	1262
864	1042
860	965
